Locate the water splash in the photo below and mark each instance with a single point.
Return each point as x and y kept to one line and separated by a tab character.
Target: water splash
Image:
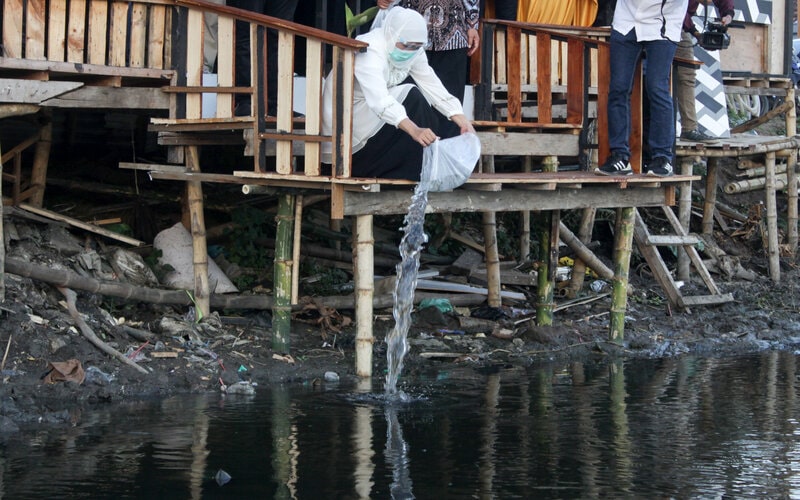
410	249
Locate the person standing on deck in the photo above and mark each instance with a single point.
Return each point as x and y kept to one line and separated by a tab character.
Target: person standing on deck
687	75
452	37
393	120
652	27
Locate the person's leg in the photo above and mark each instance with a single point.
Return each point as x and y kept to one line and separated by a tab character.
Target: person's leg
625	52
451	68
392	153
661	137
684	85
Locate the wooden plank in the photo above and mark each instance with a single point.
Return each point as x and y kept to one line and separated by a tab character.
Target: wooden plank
138	35
32	91
500	57
12	28
513	55
225	64
423	284
153	167
56	31
118	34
314	60
98	24
496	143
544	98
35	30
76	31
156	36
283	153
89	97
194	61
656	263
575	84
603	77
80	224
706	300
671	240
396	202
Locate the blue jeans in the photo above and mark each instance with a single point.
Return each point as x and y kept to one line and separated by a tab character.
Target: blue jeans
625	52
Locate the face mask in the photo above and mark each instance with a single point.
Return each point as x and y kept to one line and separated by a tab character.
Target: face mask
398	55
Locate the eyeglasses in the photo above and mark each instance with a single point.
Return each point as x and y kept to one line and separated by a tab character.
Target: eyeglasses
411	46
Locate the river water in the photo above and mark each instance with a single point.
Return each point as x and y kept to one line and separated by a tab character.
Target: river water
680	428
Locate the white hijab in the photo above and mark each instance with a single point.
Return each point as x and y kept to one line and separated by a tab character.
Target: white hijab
409	26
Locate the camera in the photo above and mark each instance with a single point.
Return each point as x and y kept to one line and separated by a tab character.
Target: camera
715	37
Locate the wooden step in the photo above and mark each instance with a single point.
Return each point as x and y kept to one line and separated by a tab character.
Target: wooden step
706	300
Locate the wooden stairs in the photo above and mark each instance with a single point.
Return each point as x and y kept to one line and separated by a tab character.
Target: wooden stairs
648	247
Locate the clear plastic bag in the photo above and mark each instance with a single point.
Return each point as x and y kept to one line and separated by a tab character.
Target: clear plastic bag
448	163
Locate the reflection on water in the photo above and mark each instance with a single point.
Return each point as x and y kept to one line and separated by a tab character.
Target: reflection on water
677	428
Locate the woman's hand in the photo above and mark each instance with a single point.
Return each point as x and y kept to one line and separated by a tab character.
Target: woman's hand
384	4
423	136
463	124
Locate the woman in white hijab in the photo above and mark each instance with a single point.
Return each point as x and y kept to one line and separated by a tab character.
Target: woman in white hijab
399	104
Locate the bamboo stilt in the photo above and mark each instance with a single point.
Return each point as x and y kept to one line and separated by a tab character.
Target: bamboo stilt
772	219
623	245
711	196
197	225
364	288
546	279
791	176
298	227
282	310
684	216
492	255
41	158
585	256
525	230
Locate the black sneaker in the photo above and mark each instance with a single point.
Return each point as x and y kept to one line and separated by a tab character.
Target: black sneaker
615	165
659	167
695	136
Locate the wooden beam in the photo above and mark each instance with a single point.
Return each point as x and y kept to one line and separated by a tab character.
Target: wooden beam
80	224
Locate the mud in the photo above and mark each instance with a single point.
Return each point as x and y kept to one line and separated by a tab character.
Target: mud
182	355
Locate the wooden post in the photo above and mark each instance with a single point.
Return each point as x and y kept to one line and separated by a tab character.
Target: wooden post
282	275
546	279
197	225
623	246
364	288
711	196
684	216
791	176
41	158
772	219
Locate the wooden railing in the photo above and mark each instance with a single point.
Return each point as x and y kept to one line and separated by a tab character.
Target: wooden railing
548	77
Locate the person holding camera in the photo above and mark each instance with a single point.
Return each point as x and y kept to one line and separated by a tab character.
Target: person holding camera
652	27
685	75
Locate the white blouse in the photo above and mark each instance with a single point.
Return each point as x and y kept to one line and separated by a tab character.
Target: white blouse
375	103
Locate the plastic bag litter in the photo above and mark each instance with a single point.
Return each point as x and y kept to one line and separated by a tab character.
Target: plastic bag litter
448	163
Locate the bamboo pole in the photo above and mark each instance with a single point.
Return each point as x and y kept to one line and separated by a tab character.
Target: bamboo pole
548	253
781	182
364	288
684	216
298	228
585	256
772	219
623	246
197	224
791	177
282	275
492	255
711	196
525	215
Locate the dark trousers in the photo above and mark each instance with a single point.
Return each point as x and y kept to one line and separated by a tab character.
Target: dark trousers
451	68
392	153
283	9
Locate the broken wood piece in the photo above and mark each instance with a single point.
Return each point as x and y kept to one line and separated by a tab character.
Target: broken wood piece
457	287
80	224
87	332
164	354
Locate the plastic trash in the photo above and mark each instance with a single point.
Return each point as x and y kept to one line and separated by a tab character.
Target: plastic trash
243	387
331	377
448	163
222	478
598	286
442	304
97	376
